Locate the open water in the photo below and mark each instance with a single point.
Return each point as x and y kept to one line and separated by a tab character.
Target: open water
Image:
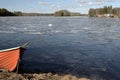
82	46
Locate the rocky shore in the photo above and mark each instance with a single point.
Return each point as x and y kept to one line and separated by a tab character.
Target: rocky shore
40	76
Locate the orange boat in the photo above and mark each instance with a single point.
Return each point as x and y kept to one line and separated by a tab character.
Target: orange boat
9	58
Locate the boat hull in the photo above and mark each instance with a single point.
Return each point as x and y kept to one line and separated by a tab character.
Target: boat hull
9	58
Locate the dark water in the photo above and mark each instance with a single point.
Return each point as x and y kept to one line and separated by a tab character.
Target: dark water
81	46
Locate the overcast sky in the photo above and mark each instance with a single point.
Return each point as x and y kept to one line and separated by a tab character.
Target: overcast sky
50	6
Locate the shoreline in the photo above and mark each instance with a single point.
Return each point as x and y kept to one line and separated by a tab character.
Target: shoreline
38	76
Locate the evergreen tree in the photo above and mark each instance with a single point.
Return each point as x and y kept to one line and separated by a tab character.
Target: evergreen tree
5	12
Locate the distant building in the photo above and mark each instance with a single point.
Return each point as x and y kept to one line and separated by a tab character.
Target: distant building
108	15
99	15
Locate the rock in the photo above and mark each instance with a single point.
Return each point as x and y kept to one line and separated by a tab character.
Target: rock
83	79
56	77
74	78
69	77
41	76
35	75
49	74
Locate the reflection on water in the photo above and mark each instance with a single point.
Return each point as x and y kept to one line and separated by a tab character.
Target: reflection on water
77	45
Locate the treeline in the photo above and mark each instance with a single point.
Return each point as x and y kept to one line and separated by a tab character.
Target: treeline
116	11
66	13
37	14
104	10
5	12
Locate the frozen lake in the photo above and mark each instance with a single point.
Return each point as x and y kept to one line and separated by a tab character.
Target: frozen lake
81	46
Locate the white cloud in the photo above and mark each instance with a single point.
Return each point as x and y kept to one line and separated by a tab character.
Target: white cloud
43	3
81	1
110	0
104	1
70	6
90	4
82	5
93	2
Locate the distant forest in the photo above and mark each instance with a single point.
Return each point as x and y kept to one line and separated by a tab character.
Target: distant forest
104	10
5	12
